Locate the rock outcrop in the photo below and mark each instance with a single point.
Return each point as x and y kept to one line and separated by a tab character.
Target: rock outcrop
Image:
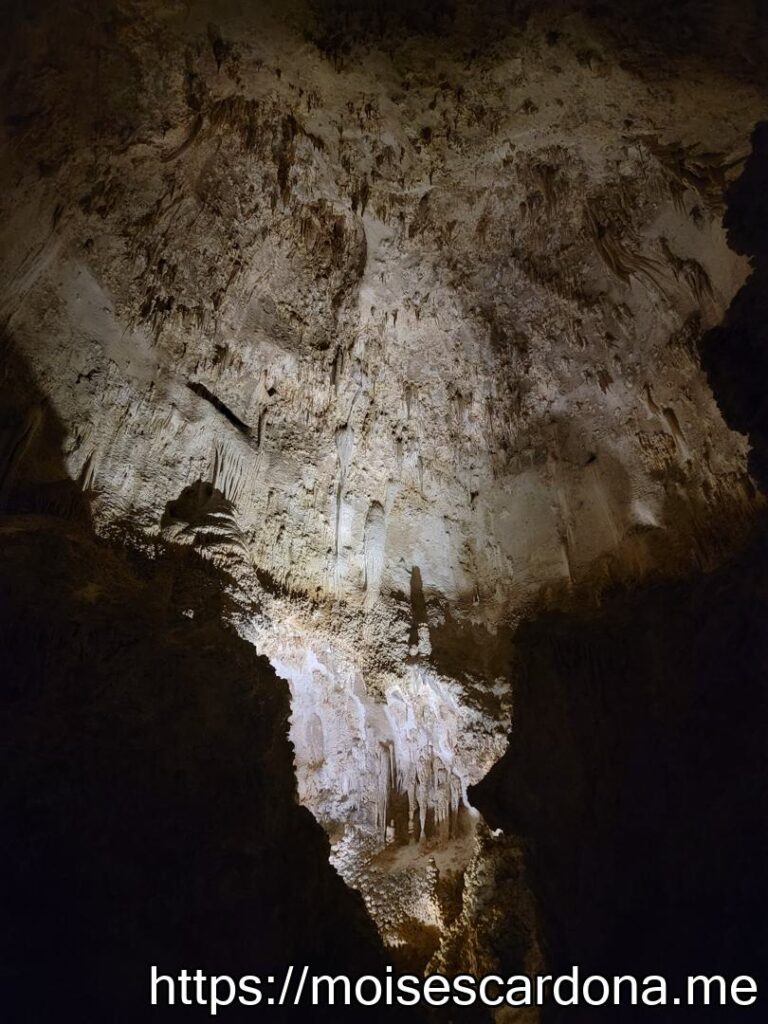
637	765
390	316
148	794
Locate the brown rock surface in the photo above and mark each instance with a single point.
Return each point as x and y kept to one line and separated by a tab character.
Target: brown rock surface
380	325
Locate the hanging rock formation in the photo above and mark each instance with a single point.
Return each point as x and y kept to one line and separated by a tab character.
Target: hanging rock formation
385	321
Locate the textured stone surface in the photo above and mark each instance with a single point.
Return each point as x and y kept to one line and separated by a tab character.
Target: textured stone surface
418	325
637	769
399	327
148	793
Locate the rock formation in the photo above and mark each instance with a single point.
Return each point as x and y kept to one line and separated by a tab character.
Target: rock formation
367	339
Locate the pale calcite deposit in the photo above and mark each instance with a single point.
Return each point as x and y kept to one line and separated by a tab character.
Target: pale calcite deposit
405	338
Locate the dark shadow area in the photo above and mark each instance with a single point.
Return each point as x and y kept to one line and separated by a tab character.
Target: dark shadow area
148	793
645	33
637	770
735	354
637	774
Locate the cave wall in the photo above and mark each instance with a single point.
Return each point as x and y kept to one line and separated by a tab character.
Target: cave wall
148	795
636	769
228	249
392	316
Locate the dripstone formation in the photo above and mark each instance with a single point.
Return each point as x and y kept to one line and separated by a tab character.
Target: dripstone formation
389	382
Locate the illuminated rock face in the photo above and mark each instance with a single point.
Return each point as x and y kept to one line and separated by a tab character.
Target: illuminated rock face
389	772
404	336
356	754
